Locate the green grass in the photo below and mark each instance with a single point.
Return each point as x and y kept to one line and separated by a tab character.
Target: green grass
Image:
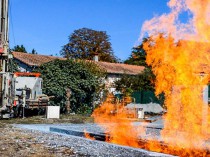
64	118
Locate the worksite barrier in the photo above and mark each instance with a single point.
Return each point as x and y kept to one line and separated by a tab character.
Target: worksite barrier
144	97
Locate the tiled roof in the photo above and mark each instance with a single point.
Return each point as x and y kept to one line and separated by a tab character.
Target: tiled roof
34	59
118	68
114	68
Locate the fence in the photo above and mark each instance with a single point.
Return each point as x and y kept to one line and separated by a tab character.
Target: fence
144	97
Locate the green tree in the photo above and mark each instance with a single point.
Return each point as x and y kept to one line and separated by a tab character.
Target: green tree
12	66
142	81
138	55
83	78
84	43
33	51
19	48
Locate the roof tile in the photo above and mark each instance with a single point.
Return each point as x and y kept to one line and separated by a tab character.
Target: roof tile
114	68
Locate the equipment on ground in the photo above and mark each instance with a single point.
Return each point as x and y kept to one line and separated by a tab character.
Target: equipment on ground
28	92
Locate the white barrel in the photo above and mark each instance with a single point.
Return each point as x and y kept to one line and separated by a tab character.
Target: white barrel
140	113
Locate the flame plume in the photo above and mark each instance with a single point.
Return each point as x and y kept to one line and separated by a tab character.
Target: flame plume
177	67
180	59
119	128
179	54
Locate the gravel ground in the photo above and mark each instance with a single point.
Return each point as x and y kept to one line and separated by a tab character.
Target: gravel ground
23	143
80	146
31	137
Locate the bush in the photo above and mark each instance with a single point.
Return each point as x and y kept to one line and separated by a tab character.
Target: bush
82	77
142	81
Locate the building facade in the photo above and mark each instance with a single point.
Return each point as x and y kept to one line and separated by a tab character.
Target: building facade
27	62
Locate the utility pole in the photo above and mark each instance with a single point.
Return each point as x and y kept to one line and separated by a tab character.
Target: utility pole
4	28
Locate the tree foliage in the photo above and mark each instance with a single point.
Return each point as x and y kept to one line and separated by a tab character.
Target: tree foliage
12	66
34	51
84	43
19	48
83	78
142	81
138	55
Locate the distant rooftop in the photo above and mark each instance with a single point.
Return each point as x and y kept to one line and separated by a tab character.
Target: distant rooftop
114	68
34	59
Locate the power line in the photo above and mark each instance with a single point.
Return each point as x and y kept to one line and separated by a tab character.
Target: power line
11	21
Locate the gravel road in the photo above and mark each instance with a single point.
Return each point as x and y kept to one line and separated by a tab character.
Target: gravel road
81	146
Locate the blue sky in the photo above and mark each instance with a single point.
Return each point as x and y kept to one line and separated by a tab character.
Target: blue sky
46	24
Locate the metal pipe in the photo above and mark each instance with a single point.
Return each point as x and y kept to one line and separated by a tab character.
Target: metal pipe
24	101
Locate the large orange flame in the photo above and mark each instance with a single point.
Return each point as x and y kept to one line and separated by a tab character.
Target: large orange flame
119	128
179	54
180	75
180	59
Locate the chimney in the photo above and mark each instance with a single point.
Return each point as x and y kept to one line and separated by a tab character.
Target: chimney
95	57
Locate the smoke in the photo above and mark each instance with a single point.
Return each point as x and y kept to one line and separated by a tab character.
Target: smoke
171	24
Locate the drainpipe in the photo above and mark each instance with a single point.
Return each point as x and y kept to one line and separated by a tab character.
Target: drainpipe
24	101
